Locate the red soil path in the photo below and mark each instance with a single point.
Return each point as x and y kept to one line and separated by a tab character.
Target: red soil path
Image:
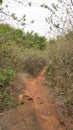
37	112
36	95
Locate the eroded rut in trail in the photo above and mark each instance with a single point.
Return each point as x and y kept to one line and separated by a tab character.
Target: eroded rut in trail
35	111
36	96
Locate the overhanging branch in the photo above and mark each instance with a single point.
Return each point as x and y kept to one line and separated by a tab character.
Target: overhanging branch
72	2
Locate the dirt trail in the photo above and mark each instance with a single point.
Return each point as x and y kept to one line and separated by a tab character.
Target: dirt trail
36	111
36	95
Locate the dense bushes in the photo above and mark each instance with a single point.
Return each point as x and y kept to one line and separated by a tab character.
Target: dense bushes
27	40
60	71
20	52
11	56
14	46
34	64
33	40
27	52
6	80
6	77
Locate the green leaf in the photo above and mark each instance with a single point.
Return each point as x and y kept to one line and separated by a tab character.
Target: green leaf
1	1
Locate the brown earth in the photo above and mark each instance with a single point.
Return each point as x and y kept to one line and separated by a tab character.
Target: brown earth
35	111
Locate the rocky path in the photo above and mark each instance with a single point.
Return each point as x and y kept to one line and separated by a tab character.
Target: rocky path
21	118
36	111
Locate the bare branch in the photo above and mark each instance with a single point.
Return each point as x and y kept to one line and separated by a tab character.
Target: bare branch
72	2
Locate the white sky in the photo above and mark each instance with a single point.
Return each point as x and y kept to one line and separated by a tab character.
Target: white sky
34	12
38	14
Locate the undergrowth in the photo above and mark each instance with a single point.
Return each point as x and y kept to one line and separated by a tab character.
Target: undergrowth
28	52
60	72
6	82
19	52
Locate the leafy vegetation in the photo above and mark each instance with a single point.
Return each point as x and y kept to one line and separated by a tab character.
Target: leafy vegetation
29	52
6	77
60	70
14	45
18	52
6	80
0	1
26	40
34	64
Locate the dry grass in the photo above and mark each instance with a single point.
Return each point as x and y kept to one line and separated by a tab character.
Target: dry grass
60	72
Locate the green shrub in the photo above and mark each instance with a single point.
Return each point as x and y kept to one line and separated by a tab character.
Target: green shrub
6	82
1	1
14	46
50	71
11	56
6	77
26	40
